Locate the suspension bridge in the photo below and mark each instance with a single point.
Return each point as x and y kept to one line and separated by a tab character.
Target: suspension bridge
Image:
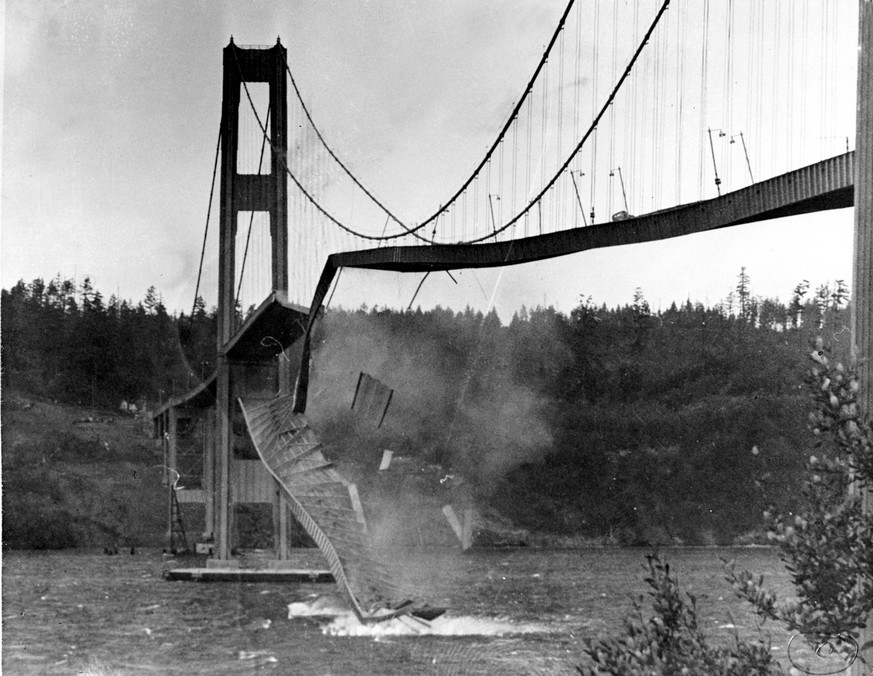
640	122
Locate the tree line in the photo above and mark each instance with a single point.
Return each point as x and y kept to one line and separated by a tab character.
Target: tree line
66	342
679	424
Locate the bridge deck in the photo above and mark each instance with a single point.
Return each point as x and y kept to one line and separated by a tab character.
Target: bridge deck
825	185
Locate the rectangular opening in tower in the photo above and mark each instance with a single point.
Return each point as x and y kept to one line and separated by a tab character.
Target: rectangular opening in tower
253	278
253	149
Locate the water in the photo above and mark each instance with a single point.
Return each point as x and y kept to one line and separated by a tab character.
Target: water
520	611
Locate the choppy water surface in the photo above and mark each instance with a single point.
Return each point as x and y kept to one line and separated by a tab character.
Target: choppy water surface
519	611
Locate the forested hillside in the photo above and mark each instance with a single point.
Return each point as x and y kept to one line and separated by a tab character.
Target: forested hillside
621	424
68	343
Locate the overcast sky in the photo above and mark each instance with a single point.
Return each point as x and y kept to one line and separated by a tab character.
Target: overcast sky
111	111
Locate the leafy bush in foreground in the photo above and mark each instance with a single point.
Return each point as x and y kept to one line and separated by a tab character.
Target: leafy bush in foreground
827	545
671	641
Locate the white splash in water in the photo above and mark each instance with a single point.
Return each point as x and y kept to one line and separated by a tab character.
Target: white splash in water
343	622
321	605
348	625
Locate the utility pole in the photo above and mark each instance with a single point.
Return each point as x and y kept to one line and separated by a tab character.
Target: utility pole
491	204
623	193
578	199
712	151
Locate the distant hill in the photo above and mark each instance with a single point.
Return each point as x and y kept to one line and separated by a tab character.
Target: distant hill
623	425
78	477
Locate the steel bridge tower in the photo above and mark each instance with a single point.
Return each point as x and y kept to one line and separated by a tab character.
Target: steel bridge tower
206	444
251	193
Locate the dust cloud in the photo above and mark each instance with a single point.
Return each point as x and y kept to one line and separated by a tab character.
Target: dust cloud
461	412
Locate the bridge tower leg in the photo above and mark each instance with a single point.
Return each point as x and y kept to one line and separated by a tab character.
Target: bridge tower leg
255	192
862	274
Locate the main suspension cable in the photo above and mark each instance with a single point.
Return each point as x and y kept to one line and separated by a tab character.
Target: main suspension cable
592	127
330	150
206	229
512	117
466	184
303	190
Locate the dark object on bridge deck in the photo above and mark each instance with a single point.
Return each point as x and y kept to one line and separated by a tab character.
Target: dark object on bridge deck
372	398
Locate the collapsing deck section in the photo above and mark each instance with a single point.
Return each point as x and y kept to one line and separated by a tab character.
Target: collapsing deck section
327	506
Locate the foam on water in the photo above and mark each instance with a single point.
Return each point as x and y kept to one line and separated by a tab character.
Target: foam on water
343	622
319	605
303	609
346	624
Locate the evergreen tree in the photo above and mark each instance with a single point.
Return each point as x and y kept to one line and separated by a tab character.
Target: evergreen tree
796	306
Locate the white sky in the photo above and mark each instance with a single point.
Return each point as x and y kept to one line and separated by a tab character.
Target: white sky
111	111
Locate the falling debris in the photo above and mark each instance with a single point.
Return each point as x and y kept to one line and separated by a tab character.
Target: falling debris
372	398
386	460
463	532
357	506
453	520
453	481
329	509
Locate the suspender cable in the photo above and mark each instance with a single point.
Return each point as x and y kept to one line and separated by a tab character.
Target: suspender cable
543	136
515	110
776	113
577	73
560	144
330	150
832	65
682	24
759	62
529	151
488	203
750	60
823	65
661	109
206	229
636	118
514	165
500	195
701	164
791	103
414	230
591	128
804	116
306	193
612	129
727	103
653	64
490	152
476	203
594	107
